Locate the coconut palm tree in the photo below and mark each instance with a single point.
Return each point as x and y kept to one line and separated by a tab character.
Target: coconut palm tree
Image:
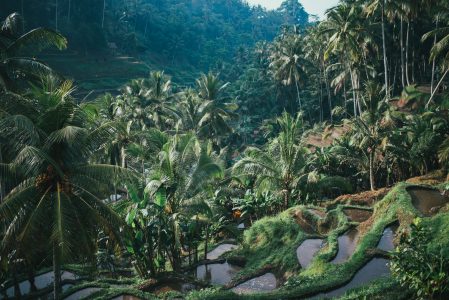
369	130
56	202
288	63
281	166
209	112
185	168
351	42
440	50
15	46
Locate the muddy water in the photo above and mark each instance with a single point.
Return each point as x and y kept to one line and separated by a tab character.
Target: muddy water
357	215
221	249
427	201
374	269
219	274
82	293
307	250
346	246
386	241
41	281
264	283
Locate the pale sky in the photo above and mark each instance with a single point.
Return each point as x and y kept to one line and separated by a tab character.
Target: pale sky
314	7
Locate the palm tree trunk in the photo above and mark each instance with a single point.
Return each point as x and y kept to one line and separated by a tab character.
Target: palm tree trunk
433	62
23	15
297	93
329	99
371	170
205	242
387	92
17	291
123	156
437	87
354	96
69	11
286	198
321	96
402	54
407	43
56	15
31	280
104	9
56	271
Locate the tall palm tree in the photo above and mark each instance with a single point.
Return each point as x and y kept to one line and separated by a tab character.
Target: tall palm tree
369	131
346	39
56	201
213	113
440	50
15	46
281	166
149	100
288	63
185	168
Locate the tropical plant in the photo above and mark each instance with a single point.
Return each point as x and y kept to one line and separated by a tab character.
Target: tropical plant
288	63
281	166
14	46
55	202
423	272
179	180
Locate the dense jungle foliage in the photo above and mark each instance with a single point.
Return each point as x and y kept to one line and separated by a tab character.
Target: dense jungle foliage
239	115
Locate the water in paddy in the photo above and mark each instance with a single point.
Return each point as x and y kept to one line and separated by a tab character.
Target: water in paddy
346	246
357	215
82	293
307	250
375	268
386	241
219	274
41	281
221	249
427	201
264	283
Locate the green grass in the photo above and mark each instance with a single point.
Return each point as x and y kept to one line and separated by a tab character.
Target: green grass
273	241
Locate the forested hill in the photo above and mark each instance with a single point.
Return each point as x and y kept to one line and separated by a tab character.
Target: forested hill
183	37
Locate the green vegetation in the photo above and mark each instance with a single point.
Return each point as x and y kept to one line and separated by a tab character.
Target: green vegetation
260	118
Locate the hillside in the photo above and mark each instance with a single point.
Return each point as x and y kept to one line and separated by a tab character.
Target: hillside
127	39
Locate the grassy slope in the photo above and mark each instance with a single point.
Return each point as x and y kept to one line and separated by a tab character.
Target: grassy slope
274	241
270	245
103	72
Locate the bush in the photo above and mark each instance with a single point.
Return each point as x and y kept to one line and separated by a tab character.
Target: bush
415	267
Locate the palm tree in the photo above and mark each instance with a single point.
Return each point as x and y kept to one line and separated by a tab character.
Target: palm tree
14	47
149	100
370	10
315	47
288	63
439	50
369	130
185	168
346	40
211	113
56	200
443	153
280	166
